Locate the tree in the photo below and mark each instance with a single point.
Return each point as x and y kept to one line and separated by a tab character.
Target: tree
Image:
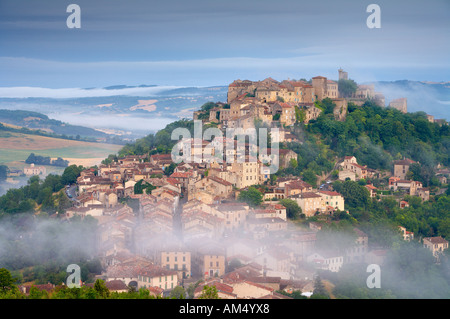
293	163
71	174
35	293
191	289
354	194
142	185
170	169
293	211
6	281
252	197
300	115
319	291
60	162
63	202
101	289
209	292
347	87
327	105
178	293
310	177
234	264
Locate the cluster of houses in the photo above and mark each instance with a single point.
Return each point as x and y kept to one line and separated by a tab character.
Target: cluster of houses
160	228
274	103
190	227
279	104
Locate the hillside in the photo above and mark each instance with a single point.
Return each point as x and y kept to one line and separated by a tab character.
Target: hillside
39	121
116	108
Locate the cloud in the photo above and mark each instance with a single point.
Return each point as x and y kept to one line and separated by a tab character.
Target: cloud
64	93
126	124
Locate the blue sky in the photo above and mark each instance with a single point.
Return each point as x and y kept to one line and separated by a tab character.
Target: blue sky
207	43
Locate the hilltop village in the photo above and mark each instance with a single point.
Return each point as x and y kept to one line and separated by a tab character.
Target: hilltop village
160	230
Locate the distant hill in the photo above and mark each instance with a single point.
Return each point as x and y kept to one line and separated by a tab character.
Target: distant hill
117	108
39	121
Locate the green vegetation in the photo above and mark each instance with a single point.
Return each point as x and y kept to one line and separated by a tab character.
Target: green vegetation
252	197
376	135
40	195
319	291
142	186
160	142
9	290
355	195
209	292
46	160
326	105
347	88
293	211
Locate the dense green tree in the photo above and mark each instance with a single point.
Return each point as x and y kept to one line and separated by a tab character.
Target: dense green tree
252	196
354	194
71	174
234	264
101	289
293	211
319	291
209	292
6	280
310	177
347	88
170	169
178	293
142	185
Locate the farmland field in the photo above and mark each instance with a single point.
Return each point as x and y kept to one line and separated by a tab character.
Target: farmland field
16	147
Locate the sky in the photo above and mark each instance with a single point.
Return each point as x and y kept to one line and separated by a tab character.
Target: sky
209	43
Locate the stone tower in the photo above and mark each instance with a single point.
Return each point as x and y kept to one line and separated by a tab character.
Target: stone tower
343	75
